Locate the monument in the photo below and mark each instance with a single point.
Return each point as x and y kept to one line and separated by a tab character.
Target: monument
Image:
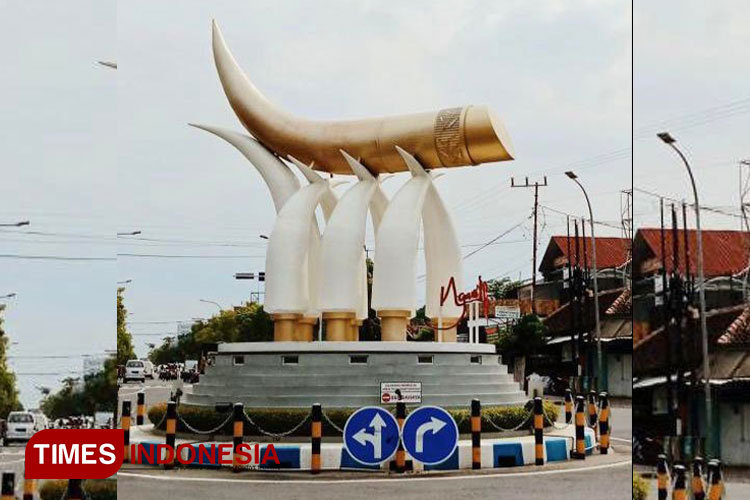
319	277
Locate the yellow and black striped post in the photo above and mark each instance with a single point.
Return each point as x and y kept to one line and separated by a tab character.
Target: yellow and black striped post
604	423
662	477
679	490
592	411
400	452
716	486
125	419
29	489
476	434
141	408
8	486
75	489
171	430
580	445
538	431
316	432
568	406
697	485
238	414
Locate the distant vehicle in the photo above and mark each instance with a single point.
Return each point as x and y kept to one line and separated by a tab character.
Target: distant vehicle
148	369
190	372
41	421
103	420
134	370
21	426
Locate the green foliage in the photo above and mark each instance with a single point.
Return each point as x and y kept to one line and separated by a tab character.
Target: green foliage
525	338
504	288
8	391
95	489
421	325
98	393
279	420
246	323
640	488
125	349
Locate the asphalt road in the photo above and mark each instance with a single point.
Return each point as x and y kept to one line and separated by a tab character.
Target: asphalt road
156	391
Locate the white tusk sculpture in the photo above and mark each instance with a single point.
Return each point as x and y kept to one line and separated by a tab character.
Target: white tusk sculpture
287	293
343	257
394	280
281	181
329	199
443	261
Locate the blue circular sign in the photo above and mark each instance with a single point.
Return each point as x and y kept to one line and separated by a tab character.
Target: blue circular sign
430	435
371	435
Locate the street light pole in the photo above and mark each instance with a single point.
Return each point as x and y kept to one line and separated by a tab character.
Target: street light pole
599	372
8	296
669	141
16	224
212	302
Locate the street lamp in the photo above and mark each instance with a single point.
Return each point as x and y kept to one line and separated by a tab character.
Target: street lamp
16	224
131	233
599	373
124	282
263	236
8	296
669	141
212	302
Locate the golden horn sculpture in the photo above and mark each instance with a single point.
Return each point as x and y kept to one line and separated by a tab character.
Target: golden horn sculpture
452	137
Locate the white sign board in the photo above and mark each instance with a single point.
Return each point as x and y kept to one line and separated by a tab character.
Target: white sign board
507	312
407	392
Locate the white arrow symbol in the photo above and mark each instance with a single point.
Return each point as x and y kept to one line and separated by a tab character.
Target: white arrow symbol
434	425
375	439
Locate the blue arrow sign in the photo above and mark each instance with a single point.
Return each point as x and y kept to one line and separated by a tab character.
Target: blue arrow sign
430	435
371	435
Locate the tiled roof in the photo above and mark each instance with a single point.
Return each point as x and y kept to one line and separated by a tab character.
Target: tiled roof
622	304
610	252
739	331
725	252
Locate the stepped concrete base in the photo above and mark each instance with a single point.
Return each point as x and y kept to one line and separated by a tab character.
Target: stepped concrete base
348	374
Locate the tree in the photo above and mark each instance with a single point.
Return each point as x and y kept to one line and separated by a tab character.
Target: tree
524	339
8	391
504	288
97	393
246	323
125	349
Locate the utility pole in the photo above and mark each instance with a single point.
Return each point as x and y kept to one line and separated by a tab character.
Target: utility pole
536	187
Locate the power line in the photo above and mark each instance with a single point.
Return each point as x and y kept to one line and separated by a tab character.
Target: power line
163	256
54	257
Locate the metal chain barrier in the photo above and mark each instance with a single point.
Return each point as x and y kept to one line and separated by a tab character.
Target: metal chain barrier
277	435
163	418
524	422
197	431
554	423
330	422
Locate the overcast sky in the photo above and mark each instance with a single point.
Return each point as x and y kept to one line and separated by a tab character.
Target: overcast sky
690	77
58	140
557	73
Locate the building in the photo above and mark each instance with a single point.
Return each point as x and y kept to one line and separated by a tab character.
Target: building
668	376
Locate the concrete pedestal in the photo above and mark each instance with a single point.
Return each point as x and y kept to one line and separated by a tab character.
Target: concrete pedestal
349	374
304	328
393	325
338	326
284	326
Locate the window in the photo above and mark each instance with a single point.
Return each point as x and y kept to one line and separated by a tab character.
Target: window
424	359
476	360
238	360
357	359
289	360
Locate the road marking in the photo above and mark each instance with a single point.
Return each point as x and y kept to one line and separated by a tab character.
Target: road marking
621	439
385	480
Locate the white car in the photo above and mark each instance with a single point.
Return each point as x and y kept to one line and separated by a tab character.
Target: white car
148	369
135	369
21	426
